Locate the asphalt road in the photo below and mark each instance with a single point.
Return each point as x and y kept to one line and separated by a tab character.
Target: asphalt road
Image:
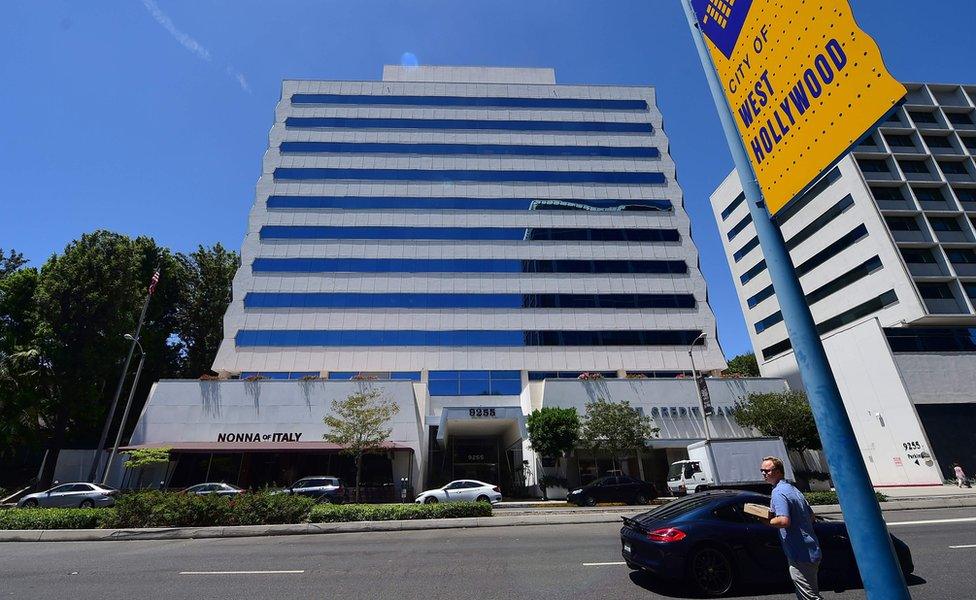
507	563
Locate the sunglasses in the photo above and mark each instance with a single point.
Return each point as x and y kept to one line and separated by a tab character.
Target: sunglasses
766	470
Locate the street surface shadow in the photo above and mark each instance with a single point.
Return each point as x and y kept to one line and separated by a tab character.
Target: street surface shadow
680	589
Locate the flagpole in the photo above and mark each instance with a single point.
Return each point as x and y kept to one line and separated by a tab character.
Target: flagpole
873	551
93	471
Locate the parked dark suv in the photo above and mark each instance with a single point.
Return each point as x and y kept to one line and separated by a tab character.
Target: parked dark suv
324	489
613	489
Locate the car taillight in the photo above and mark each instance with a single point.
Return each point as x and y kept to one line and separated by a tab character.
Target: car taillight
668	534
495	488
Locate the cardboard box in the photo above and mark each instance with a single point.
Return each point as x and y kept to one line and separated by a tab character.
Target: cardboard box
758	510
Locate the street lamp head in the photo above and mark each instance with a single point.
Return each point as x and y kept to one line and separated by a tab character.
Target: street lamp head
129	337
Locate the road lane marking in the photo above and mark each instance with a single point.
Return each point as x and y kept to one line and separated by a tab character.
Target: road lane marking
603	564
241	572
966	546
933	521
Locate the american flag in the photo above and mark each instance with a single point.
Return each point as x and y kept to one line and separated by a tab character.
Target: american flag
153	282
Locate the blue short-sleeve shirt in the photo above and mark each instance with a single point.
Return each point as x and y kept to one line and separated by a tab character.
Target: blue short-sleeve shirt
799	539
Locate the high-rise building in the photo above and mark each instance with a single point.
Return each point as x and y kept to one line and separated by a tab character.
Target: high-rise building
474	244
885	248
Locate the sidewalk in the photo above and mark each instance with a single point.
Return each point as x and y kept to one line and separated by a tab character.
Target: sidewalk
544	515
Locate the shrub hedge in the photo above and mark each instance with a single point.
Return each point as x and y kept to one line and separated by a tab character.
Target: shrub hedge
830	497
55	518
167	509
336	513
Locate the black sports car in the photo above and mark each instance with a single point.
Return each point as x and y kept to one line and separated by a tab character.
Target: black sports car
613	489
707	540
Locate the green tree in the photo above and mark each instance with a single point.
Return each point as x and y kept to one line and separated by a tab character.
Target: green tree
553	431
10	263
205	278
616	428
358	424
743	365
86	300
781	414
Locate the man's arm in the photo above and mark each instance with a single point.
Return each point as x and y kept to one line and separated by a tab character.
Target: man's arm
781	507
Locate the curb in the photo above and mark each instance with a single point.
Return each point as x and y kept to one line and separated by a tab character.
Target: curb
515	520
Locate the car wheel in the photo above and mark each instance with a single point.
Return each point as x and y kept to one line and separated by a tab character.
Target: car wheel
589	501
430	500
325	500
30	503
482	498
710	571
87	504
640	499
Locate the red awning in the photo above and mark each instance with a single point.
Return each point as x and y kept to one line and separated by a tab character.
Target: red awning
254	446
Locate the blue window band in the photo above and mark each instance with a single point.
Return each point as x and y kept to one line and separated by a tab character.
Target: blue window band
436	301
463	265
452	175
466	149
315	232
764	293
733	205
468	101
474	383
756	269
409	203
737	229
279	374
382	376
457	338
543	375
931	339
746	249
471	124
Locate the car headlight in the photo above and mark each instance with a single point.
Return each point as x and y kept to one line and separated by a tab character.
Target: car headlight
577	491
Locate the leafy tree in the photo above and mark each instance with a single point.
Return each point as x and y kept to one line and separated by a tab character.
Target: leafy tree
205	278
11	263
553	431
743	365
615	427
358	424
781	414
146	457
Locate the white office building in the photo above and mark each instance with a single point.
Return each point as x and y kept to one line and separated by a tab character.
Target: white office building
885	247
472	241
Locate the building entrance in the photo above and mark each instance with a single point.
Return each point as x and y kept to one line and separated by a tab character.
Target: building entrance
476	458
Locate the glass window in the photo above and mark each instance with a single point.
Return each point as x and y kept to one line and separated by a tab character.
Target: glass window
914	166
733	205
959	118
454	175
953	167
935	291
917	255
944	224
970	289
833	249
929	194
873	165
922	117
788	212
902	223
764	293
471	124
961	255
931	339
965	194
469	101
361	148
462	265
970	143
456	338
820	222
746	249
739	227
773	319
315	232
887	193
506	204
756	269
937	141
857	273
898	140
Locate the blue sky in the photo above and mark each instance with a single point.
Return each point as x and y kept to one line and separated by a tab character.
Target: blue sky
150	117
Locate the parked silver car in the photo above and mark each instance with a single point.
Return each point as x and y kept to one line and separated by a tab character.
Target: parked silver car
462	489
219	489
81	495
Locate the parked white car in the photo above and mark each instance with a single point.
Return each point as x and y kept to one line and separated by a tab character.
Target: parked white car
462	489
81	494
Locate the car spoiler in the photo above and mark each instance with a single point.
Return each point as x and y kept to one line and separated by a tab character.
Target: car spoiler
634	524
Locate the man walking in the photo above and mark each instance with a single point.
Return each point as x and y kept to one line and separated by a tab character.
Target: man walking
794	519
960	474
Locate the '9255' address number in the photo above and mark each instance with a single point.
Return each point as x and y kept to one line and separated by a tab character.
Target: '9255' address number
481	412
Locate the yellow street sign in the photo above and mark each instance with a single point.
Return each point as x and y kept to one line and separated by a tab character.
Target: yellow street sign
803	82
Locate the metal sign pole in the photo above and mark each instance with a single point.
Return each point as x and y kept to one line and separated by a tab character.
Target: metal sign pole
876	559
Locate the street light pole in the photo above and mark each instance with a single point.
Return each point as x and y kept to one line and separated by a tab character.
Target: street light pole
128	406
694	374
